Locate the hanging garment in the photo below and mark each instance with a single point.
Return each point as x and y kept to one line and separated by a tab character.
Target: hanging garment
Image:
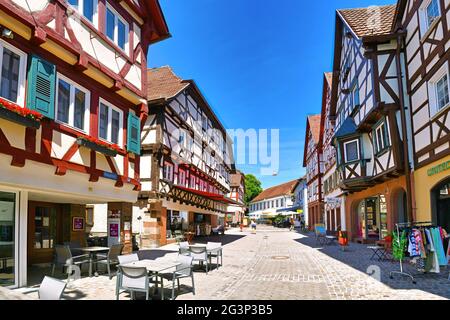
412	245
436	234
421	240
399	243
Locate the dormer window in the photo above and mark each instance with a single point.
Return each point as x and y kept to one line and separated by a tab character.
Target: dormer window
117	28
351	151
87	8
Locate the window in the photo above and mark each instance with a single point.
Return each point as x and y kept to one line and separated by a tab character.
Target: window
351	149
282	202
88	8
204	123
429	12
12	81
438	90
182	177
72	106
354	97
117	28
110	123
381	137
168	171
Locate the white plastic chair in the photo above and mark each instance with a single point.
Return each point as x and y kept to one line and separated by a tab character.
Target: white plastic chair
129	258
215	251
51	289
184	270
133	280
184	248
200	254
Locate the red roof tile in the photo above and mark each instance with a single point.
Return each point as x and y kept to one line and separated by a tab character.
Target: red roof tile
163	83
369	21
314	125
277	191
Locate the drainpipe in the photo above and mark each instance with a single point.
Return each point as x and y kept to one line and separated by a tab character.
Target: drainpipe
404	131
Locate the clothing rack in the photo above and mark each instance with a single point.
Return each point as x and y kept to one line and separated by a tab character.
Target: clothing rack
408	224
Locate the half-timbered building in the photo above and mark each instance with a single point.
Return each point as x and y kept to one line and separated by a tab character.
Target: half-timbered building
425	26
72	99
186	161
236	211
313	162
369	110
333	198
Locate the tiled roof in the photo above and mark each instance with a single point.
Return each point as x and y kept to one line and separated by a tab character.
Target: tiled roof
235	179
314	125
163	83
365	21
277	191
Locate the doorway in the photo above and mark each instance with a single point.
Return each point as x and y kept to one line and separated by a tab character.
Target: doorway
8	239
45	230
441	204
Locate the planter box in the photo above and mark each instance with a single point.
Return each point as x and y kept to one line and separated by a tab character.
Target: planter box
17	118
96	147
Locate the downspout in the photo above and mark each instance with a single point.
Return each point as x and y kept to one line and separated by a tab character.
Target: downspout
404	130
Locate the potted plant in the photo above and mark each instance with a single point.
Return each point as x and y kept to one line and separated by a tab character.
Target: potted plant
108	149
21	115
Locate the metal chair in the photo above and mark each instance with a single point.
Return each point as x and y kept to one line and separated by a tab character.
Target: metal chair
112	258
63	257
215	251
184	248
184	270
200	254
51	289
131	279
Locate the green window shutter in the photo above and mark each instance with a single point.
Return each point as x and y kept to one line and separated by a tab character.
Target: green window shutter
134	134
41	86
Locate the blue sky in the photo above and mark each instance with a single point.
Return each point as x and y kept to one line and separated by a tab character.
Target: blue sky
259	63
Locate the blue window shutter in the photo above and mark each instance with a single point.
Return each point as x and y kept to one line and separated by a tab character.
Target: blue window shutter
134	134
41	86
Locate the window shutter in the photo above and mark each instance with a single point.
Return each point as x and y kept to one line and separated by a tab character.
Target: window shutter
41	86
134	134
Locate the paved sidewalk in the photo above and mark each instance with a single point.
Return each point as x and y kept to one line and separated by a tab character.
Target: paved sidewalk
282	265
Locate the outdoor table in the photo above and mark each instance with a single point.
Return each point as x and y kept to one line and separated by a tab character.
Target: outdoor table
92	251
378	251
155	267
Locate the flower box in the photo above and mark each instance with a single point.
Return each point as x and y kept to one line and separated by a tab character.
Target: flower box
99	146
23	116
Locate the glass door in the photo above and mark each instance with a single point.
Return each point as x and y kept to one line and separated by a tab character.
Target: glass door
42	219
372	214
7	239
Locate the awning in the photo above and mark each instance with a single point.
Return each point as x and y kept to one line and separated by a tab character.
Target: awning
208	195
294	209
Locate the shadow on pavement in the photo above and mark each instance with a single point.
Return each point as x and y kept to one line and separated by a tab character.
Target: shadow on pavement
358	256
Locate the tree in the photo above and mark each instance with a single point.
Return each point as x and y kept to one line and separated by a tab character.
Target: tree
252	188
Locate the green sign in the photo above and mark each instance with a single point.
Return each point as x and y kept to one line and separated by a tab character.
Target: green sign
438	169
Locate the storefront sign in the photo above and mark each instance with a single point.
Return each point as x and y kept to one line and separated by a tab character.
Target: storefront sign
438	169
333	201
114	230
78	224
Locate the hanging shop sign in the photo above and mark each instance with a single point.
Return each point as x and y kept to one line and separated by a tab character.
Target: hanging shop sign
439	168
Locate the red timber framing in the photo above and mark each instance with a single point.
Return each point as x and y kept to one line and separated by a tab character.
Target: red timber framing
154	29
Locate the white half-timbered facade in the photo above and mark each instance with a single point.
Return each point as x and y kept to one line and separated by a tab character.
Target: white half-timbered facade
187	158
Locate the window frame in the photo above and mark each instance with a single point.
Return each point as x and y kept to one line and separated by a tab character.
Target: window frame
21	82
357	147
170	165
87	103
385	138
425	26
432	90
117	17
109	124
80	10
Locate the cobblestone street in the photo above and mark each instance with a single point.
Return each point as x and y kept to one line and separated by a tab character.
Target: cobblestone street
278	264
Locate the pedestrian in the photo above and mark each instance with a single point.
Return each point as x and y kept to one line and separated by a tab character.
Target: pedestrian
253	226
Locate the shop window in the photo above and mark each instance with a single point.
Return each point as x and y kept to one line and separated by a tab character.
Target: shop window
73	101
351	149
110	123
7	238
12	66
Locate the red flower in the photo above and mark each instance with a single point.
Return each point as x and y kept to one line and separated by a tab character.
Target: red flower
24	112
110	146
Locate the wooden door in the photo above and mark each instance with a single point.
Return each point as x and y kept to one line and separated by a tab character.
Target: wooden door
44	231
